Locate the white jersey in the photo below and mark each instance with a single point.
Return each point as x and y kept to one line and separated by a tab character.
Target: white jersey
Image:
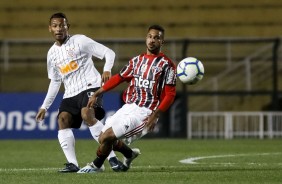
72	64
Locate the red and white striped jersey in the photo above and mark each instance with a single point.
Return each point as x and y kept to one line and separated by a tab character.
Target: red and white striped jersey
72	64
148	74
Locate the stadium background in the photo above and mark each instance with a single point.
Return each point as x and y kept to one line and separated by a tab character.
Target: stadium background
223	34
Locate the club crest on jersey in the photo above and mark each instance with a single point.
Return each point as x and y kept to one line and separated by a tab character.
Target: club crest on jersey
156	69
143	68
69	67
70	51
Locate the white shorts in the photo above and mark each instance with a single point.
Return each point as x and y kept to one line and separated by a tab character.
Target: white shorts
128	122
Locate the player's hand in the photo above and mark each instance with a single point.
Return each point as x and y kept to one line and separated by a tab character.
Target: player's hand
152	121
92	100
106	76
40	115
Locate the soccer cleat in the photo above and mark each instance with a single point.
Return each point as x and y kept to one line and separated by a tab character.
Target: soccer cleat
70	167
116	165
127	161
91	168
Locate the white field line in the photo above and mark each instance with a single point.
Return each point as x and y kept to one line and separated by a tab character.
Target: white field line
193	160
27	169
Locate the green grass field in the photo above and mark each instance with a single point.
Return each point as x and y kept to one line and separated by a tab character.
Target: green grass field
206	161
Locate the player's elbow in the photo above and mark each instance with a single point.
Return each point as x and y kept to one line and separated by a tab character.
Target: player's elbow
110	54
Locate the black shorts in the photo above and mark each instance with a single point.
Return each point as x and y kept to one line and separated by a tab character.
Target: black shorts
73	105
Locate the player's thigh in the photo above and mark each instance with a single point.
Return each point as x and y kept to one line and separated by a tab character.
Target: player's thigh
73	118
64	120
129	118
98	106
87	114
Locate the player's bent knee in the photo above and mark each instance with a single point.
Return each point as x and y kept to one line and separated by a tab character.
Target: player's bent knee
106	140
87	114
107	137
88	117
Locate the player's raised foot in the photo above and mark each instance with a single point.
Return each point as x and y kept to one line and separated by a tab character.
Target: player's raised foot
127	161
70	168
116	165
91	168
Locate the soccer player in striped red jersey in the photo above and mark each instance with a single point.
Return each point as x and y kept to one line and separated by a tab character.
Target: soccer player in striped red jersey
151	90
69	61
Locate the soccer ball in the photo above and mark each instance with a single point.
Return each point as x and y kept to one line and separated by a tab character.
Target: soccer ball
190	70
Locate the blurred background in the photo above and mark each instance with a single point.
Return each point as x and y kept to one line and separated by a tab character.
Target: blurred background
237	41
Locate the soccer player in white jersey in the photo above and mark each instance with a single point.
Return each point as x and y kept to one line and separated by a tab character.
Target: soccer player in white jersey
69	61
151	90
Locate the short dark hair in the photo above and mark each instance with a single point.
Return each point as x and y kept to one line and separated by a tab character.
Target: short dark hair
58	15
157	27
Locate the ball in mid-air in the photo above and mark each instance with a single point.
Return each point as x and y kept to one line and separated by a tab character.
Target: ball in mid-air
190	70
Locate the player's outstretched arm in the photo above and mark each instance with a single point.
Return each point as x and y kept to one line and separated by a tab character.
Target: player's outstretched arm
110	84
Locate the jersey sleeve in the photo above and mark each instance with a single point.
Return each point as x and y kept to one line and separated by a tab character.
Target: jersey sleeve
98	50
169	94
169	91
127	71
52	70
113	82
170	78
125	74
53	90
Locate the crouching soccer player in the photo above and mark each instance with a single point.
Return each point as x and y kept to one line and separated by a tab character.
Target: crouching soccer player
151	90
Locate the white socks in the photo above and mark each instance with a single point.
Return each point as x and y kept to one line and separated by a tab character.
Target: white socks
95	132
67	142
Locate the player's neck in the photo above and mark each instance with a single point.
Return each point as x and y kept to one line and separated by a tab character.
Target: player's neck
156	52
61	42
153	53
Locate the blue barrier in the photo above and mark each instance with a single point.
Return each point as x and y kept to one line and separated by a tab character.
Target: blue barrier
18	111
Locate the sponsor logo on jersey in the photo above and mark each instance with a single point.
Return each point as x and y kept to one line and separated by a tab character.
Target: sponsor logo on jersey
68	68
143	83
